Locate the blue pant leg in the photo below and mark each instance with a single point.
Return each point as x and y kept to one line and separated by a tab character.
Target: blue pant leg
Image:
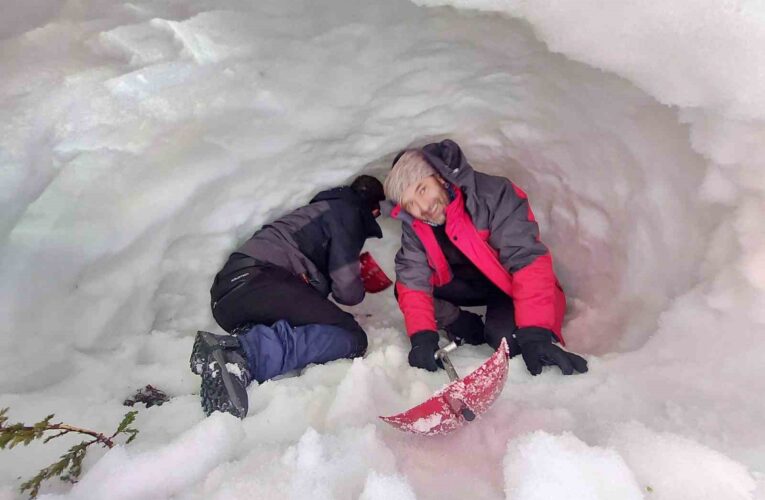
279	348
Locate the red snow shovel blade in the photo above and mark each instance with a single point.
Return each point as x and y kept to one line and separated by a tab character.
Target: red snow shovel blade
443	413
374	278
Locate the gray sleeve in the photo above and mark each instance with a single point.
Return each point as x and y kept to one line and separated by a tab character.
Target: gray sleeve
347	287
513	229
412	268
345	244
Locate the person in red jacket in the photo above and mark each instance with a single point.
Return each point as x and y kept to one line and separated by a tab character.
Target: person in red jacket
470	239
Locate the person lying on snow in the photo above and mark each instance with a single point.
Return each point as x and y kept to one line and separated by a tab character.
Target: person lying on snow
271	295
470	239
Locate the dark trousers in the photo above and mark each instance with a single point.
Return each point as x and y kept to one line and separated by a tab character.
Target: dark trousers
500	312
282	322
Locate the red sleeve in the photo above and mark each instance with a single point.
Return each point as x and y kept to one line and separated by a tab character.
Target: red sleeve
418	309
538	297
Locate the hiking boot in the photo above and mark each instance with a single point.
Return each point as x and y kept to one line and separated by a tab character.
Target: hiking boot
221	362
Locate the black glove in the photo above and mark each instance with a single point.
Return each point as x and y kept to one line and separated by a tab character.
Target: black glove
468	327
538	350
424	347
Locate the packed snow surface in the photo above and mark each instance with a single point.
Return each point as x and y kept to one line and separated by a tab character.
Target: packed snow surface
141	141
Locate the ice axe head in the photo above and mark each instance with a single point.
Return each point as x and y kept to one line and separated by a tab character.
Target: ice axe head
374	278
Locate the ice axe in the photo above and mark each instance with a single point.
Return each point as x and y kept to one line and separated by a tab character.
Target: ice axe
457	405
461	400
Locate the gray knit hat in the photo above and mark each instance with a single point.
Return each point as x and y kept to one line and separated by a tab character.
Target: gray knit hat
408	168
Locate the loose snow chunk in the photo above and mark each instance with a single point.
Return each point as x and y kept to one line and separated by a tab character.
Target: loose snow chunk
337	466
425	424
234	369
384	487
540	466
677	467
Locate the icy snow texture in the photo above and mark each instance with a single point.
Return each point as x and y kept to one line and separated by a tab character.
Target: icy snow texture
539	466
696	471
141	141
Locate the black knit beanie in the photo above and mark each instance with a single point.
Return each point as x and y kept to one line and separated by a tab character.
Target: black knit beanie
370	190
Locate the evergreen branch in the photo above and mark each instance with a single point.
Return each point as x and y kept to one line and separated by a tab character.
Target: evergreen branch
20	434
72	460
50	438
128	419
69	466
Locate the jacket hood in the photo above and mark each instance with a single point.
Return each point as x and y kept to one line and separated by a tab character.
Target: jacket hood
345	193
447	158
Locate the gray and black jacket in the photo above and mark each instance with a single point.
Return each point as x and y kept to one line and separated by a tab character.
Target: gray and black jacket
320	242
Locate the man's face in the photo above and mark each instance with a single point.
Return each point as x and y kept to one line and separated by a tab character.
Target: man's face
426	200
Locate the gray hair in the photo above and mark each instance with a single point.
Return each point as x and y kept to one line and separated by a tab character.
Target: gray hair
411	167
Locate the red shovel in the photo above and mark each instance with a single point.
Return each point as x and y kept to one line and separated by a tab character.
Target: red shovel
374	278
460	401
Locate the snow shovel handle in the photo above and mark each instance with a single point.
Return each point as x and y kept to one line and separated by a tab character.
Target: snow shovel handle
459	405
442	355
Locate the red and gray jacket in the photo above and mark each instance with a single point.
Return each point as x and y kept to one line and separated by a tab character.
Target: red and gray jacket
491	223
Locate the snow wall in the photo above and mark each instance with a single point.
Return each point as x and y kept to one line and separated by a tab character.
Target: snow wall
141	141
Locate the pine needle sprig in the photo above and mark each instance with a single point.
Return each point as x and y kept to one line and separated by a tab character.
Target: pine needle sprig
69	466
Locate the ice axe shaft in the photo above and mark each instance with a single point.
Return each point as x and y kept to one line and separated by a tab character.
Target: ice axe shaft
457	405
443	355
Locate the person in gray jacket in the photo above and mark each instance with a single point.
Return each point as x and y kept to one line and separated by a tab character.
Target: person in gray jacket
272	295
470	239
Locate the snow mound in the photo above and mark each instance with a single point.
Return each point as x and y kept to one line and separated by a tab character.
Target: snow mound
540	466
635	463
677	467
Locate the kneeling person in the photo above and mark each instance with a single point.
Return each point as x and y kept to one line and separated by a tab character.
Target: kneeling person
470	239
271	295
